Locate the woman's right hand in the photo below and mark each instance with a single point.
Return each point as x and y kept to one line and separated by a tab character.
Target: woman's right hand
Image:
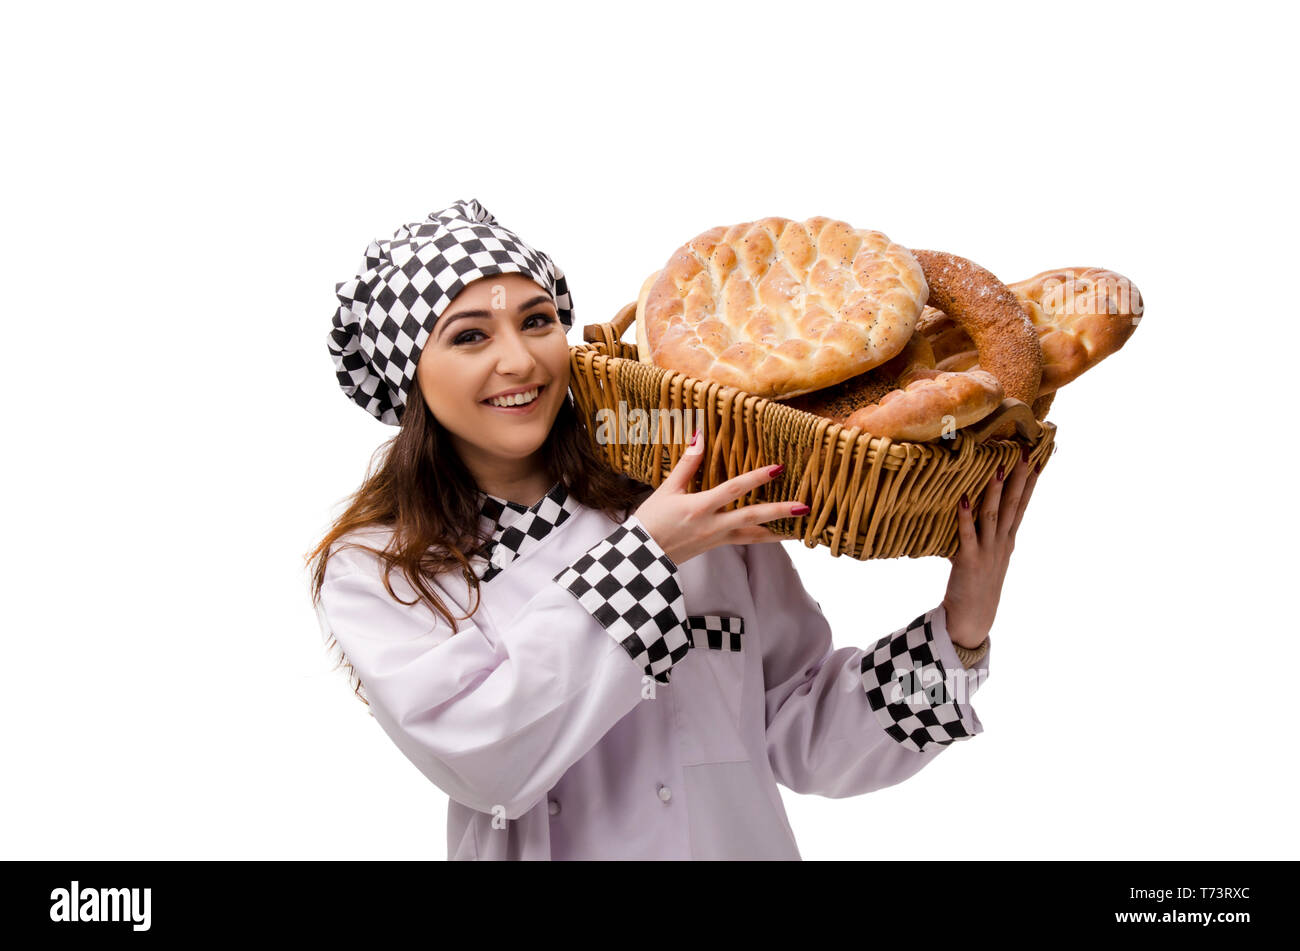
685	524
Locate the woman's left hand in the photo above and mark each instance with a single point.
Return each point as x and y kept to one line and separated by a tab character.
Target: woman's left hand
980	565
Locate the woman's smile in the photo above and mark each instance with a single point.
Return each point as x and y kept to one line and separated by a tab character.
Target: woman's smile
495	373
511	403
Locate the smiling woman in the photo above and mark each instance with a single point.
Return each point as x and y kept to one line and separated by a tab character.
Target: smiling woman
492	314
497	345
574	585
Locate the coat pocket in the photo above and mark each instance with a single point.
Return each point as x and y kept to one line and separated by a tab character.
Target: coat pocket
717	632
710	687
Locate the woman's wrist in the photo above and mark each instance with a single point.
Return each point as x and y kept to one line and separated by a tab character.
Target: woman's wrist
959	634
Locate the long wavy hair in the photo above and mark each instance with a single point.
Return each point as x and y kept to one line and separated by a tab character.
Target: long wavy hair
422	492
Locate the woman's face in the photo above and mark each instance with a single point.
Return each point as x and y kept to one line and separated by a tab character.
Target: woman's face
501	335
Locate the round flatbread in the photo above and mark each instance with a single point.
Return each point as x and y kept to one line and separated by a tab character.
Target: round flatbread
778	307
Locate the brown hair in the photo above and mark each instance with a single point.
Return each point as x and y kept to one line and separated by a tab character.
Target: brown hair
423	493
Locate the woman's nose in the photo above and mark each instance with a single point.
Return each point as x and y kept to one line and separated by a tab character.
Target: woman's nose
513	357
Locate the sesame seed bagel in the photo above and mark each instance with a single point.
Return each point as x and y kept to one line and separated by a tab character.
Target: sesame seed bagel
1081	316
992	317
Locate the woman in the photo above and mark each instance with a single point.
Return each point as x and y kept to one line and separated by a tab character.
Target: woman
588	668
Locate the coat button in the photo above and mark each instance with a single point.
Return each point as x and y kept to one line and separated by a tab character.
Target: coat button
554	807
665	793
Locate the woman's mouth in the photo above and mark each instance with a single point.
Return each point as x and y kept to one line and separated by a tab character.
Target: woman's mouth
517	403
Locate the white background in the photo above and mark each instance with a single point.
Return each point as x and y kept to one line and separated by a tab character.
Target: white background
183	189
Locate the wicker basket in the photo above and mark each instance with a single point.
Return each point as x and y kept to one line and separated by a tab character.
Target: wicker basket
870	497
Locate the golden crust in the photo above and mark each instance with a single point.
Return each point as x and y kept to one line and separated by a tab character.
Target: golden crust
777	307
837	403
642	347
960	362
946	336
1042	405
931	403
992	317
1081	316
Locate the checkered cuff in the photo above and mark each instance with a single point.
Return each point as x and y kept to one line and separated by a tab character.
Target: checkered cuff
916	699
629	585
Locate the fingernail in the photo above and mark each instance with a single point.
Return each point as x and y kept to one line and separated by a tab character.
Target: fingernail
1038	467
1024	453
999	472
800	509
776	470
695	438
965	502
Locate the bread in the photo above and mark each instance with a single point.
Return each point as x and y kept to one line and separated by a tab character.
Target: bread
1081	316
778	307
642	345
946	336
837	403
992	317
930	405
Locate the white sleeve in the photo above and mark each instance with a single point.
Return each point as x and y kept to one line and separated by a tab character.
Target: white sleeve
848	721
495	720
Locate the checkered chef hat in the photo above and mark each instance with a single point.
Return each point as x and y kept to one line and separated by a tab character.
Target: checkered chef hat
403	286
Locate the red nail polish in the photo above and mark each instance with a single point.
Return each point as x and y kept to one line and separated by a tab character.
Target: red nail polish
800	510
1024	453
1038	467
965	502
999	472
776	470
695	438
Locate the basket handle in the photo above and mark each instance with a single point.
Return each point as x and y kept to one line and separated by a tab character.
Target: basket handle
610	333
1016	411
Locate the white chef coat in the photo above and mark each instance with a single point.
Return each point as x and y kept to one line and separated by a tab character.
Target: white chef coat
605	703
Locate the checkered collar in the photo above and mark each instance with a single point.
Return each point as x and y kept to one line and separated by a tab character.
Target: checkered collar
516	528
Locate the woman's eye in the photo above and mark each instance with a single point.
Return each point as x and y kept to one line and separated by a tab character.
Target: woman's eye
467	337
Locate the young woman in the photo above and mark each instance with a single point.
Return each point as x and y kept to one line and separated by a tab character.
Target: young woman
588	668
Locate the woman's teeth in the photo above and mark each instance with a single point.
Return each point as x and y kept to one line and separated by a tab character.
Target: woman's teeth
517	399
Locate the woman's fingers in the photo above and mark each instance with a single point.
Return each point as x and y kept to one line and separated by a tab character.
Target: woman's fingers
738	487
756	514
989	508
1024	502
679	477
966	528
1014	491
755	535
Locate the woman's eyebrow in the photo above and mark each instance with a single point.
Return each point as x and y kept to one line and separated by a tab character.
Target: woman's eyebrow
539	299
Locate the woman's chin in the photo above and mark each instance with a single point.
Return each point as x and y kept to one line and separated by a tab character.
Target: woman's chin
519	440
515	449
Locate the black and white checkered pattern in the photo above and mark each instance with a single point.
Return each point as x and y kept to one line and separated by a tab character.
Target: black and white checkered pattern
388	310
516	528
629	585
907	687
718	631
